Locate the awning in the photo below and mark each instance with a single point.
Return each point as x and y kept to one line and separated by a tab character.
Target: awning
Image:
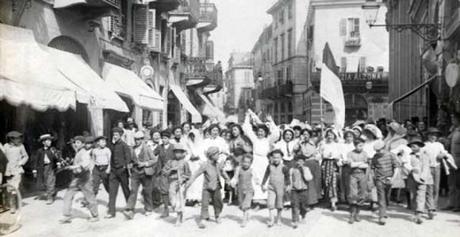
209	109
83	76
196	116
27	74
95	3
127	83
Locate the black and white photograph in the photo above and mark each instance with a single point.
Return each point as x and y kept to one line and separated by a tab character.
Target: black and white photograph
229	118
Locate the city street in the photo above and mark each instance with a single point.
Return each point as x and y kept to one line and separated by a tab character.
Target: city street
41	220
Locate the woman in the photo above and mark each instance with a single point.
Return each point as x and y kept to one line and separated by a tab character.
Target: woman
347	147
371	134
308	148
287	145
195	159
239	140
262	143
216	140
331	155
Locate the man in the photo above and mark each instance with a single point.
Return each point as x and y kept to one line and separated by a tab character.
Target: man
121	157
81	181
165	152
143	160
129	132
454	177
45	164
17	157
154	143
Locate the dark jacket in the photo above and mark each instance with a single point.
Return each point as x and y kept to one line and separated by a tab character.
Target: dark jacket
146	155
3	162
164	154
121	155
39	159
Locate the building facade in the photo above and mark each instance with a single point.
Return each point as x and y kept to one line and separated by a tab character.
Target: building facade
239	82
361	53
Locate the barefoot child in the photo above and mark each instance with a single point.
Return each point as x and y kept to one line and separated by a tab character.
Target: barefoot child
277	176
212	172
299	176
243	179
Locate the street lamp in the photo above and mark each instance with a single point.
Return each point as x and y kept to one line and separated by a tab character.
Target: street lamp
428	32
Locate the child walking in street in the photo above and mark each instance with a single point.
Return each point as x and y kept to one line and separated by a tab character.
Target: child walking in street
358	160
277	176
299	176
177	171
212	172
101	156
383	164
46	162
244	181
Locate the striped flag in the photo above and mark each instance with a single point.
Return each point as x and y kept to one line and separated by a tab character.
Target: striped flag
331	87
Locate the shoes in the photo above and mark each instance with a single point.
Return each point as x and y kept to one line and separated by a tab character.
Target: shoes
165	214
148	213
418	219
271	223
66	220
109	216
93	219
430	215
381	221
201	225
129	214
334	208
294	225
50	201
179	218
244	223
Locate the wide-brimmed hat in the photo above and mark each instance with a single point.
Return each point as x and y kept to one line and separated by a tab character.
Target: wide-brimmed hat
139	135
100	138
374	130
212	151
165	133
401	131
434	131
379	145
14	134
417	141
118	130
349	131
179	147
336	134
89	139
394	126
288	130
79	138
45	137
300	157
359	123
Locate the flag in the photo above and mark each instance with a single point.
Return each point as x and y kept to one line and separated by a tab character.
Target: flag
331	87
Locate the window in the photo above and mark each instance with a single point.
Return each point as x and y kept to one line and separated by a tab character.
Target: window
282	46
289	74
275	48
343	64
349	27
289	39
362	64
289	8
281	17
247	77
279	77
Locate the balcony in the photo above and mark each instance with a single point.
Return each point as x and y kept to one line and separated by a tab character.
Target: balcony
164	5
366	82
196	73
284	90
186	15
90	9
208	17
452	25
216	81
353	40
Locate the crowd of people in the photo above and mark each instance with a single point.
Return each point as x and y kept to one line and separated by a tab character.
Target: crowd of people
255	165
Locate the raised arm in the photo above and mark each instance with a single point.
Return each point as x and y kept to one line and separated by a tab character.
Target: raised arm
274	130
247	129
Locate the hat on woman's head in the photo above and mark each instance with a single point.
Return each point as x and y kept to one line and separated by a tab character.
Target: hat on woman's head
333	131
374	130
394	126
46	137
14	134
264	127
434	131
416	140
288	130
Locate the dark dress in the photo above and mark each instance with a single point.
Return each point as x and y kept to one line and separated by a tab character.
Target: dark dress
314	185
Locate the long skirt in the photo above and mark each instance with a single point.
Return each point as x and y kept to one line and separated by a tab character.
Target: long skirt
314	185
195	190
259	166
329	179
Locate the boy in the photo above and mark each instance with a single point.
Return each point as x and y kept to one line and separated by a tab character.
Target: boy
277	176
383	164
231	164
165	152
45	164
81	181
17	157
358	161
177	172
101	156
212	172
243	179
299	176
419	177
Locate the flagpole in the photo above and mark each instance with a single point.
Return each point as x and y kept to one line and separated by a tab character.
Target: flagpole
321	114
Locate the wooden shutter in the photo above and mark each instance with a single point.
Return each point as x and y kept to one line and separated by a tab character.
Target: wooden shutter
356	27
151	27
210	50
343	27
343	64
362	64
157	46
141	24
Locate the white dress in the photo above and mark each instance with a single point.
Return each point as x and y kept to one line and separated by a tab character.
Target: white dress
195	150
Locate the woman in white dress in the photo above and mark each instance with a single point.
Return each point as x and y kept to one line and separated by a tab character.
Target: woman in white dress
261	142
195	159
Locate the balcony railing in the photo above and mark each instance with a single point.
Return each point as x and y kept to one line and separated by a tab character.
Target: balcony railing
278	91
164	5
353	40
186	15
208	16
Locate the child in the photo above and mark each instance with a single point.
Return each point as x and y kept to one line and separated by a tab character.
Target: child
243	179
383	164
277	176
211	185
101	157
419	177
358	160
17	157
231	164
45	164
177	171
299	176
81	181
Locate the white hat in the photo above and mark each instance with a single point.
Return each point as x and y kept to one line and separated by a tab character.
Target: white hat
139	135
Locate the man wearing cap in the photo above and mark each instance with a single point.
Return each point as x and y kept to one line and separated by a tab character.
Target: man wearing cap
17	157
81	181
143	160
121	158
165	152
101	156
46	161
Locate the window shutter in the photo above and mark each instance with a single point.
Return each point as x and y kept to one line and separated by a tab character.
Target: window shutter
151	28
343	27
356	27
362	64
210	50
141	24
343	64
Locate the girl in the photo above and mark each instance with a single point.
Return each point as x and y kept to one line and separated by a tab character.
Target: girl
372	135
287	145
345	171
